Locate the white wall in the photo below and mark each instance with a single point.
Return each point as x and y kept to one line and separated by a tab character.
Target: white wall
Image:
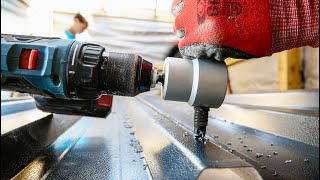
150	39
261	75
14	18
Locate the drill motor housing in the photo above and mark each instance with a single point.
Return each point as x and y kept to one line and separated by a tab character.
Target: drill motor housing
70	72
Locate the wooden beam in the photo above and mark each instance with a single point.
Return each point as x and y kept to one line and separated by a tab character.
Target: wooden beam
231	61
289	69
228	89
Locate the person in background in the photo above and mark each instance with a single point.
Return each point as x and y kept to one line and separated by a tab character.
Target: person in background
80	24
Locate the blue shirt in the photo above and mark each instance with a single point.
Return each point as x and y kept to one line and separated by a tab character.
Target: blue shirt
69	36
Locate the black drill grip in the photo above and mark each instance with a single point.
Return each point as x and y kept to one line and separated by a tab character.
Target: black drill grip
124	74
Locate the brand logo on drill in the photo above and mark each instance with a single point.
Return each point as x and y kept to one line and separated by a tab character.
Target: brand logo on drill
217	8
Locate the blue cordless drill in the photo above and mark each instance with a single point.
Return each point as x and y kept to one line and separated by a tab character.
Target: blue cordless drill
71	77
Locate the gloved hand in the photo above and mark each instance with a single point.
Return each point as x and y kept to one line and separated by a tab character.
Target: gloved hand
218	29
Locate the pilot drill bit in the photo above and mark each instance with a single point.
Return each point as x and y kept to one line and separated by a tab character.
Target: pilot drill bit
200	121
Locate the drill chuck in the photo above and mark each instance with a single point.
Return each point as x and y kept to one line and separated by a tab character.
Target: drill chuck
125	74
199	82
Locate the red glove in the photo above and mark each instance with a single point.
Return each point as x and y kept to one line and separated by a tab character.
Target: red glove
244	28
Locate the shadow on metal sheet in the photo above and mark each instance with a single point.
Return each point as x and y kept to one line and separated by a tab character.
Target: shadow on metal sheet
20	146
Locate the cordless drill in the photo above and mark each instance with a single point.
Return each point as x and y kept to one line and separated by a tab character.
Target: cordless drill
71	77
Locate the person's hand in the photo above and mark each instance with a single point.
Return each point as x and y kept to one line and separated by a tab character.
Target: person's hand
218	29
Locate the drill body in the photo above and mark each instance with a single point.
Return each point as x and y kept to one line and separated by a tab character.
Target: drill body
35	65
67	69
71	77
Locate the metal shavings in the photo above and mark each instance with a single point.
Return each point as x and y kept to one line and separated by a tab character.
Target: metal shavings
136	145
138	150
127	125
288	161
259	155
